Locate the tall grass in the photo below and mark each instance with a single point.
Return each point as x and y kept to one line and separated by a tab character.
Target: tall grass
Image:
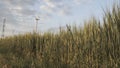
94	46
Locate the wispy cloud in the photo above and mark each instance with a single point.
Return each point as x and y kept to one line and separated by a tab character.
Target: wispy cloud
56	6
46	8
17	10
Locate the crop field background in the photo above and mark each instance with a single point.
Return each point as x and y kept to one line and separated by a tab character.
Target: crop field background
95	45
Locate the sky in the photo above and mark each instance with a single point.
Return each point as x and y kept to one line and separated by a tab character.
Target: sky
21	15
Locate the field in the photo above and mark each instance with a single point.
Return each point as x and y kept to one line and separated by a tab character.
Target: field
95	45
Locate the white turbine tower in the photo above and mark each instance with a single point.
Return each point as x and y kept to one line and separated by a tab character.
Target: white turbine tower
36	27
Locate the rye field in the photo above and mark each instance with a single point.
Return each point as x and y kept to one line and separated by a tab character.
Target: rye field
95	45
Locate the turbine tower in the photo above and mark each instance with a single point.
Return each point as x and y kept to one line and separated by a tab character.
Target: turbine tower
3	30
37	19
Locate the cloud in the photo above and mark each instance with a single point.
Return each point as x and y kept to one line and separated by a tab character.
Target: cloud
12	10
46	8
21	2
18	11
50	3
62	7
78	2
65	11
56	6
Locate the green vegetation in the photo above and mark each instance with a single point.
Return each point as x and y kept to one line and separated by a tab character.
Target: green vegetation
94	46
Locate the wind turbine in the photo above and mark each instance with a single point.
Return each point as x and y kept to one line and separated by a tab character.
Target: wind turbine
3	30
37	19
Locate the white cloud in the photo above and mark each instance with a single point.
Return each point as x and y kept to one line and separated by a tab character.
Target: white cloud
78	2
65	11
13	9
50	3
46	8
56	6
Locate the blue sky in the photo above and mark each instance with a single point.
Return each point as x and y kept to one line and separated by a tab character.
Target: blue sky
21	14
